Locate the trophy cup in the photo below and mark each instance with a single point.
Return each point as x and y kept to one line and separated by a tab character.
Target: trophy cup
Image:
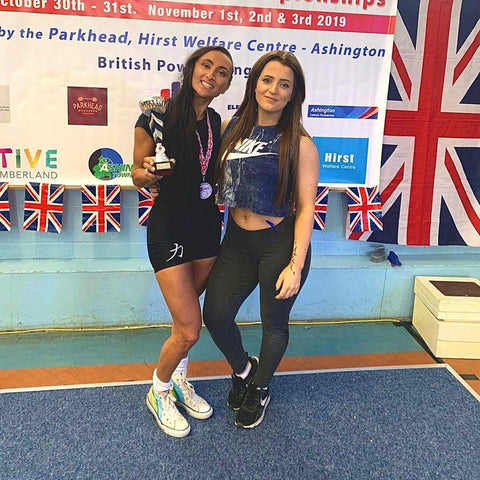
151	106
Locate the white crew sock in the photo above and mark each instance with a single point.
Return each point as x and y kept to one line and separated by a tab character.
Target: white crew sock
160	387
182	366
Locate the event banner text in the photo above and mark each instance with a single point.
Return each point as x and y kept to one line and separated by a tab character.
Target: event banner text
74	72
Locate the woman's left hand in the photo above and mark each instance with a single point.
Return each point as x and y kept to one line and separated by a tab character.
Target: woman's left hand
288	283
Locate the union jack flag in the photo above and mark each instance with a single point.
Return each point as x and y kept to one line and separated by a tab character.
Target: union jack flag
100	208
364	208
43	207
145	203
320	214
430	174
4	208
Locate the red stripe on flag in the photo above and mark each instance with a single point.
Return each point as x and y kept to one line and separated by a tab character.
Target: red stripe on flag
469	208
390	188
466	58
402	70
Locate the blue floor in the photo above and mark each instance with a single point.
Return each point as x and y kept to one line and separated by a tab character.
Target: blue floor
405	424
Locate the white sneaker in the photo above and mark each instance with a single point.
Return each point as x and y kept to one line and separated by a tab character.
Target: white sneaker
169	419
185	397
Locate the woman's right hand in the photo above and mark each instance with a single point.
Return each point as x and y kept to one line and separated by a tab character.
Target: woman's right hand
151	177
148	165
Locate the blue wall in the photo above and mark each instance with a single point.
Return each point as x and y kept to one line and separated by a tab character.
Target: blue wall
74	279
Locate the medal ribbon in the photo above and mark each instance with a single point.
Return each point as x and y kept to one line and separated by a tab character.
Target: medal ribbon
205	157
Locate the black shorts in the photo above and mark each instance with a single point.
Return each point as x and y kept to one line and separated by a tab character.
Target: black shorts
176	236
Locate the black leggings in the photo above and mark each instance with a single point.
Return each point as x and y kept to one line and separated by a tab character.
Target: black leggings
248	258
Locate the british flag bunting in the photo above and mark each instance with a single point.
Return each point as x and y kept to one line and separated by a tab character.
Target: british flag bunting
321	203
430	173
100	208
43	207
145	203
364	209
5	224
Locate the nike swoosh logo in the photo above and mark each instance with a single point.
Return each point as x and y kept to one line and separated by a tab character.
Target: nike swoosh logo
235	156
263	401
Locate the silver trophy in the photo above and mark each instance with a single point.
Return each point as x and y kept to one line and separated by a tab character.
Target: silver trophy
151	106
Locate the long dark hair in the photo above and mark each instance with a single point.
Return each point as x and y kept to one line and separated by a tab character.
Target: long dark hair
179	127
289	125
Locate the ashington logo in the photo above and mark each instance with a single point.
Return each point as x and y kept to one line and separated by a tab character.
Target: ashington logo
107	164
87	106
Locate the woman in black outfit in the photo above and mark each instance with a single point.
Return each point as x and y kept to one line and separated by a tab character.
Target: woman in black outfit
268	180
183	233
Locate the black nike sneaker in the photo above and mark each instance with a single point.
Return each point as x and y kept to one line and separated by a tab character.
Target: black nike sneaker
239	387
253	408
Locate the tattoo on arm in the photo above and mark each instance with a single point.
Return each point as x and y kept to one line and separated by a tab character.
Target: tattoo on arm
292	260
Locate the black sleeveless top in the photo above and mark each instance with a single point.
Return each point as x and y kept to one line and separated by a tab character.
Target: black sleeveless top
171	186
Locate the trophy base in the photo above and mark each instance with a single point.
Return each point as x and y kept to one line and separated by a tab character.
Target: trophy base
163	169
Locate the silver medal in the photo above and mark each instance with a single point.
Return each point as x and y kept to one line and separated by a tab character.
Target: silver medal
205	190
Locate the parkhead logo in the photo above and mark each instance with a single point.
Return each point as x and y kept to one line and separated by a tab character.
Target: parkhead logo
107	164
87	106
342	160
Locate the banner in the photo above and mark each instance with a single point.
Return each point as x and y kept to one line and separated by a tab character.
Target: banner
73	72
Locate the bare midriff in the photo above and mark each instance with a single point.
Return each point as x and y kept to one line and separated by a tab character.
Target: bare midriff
249	220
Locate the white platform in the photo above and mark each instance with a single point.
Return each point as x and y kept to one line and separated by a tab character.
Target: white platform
449	324
461	307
